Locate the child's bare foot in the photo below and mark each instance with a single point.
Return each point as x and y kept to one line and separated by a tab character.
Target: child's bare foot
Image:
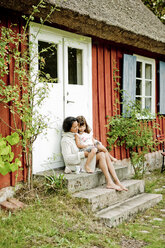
114	186
88	170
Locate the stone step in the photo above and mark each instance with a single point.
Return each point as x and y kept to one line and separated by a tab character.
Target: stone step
83	181
100	197
116	214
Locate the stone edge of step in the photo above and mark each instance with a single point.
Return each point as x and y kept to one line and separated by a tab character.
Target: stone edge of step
154	196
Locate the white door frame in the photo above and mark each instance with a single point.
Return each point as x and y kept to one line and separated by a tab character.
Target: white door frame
61	37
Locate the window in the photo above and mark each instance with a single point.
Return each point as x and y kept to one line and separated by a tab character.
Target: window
47	59
74	66
145	83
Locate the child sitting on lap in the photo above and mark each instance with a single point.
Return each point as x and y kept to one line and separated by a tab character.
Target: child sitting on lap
85	141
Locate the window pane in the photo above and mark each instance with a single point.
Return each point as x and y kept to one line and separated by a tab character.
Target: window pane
139	69
74	66
138	87
148	103
47	59
139	102
148	71
148	88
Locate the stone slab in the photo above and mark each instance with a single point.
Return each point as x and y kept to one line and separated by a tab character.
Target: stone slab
8	206
116	214
15	201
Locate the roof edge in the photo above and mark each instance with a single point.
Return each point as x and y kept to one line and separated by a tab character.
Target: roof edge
84	25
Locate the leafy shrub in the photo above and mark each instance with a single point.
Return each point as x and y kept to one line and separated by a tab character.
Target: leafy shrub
6	155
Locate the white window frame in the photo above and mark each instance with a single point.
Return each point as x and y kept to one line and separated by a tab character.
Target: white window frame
144	61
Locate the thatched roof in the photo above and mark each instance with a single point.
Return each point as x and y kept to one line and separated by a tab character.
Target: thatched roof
123	21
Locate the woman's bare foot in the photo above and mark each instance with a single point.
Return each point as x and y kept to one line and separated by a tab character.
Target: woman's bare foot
114	186
122	186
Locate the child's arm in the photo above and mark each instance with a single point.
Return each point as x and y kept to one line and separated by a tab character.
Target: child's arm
79	145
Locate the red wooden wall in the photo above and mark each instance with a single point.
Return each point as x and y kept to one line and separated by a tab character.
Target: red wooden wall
105	58
6	118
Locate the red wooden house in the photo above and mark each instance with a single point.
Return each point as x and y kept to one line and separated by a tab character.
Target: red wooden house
93	38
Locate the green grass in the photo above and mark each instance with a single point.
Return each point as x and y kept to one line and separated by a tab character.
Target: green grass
58	220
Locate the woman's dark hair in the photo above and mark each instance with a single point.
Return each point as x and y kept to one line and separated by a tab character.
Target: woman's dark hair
81	121
67	123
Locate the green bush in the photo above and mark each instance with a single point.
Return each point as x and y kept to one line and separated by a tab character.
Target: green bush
131	129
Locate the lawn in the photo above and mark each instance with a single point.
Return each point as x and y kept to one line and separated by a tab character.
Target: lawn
58	220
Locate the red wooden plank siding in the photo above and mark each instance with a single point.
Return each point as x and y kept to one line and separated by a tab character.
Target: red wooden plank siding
114	95
104	61
23	48
123	152
107	79
13	81
94	93
11	178
4	115
101	94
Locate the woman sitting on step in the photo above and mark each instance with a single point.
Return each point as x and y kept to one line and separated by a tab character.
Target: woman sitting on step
73	157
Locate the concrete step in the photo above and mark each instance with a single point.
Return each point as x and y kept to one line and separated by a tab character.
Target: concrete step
116	214
100	197
83	181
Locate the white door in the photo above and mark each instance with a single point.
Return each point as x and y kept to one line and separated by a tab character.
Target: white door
76	79
70	95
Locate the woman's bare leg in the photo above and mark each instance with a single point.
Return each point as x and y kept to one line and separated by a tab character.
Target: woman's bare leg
100	157
113	172
89	159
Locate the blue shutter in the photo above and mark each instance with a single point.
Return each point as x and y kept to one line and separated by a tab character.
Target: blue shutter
162	87
129	79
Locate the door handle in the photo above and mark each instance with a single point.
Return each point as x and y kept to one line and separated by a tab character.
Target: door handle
70	101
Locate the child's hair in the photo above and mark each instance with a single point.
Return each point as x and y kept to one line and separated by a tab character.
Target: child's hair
81	121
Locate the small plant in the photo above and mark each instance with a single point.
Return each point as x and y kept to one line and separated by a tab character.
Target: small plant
55	182
6	155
